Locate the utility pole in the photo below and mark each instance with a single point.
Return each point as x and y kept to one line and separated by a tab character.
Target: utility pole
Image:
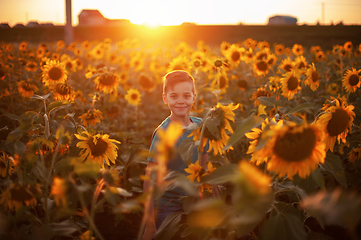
68	28
323	13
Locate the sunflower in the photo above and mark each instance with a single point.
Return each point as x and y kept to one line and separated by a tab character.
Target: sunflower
23	46
262	54
26	89
320	56
137	63
348	46
287	65
59	190
290	84
220	81
133	96
54	72
195	170
352	80
63	91
315	49
248	56
107	82
312	77
31	66
92	117
98	148
260	92
333	88
297	49
218	118
336	120
224	47
16	196
60	44
300	62
271	60
260	68
354	155
279	49
179	63
234	55
293	148
146	83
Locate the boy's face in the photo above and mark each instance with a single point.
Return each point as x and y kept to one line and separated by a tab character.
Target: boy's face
180	98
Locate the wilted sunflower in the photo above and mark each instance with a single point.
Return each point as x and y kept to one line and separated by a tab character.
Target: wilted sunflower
54	72
133	97
92	117
290	84
312	77
63	91
17	196
336	120
107	82
98	148
26	88
219	118
352	80
260	68
293	148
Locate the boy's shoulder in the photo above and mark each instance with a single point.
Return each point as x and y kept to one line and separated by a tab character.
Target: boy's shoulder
197	120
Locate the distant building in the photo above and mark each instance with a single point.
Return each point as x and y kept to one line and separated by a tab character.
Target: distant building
4	25
92	17
282	20
19	25
33	24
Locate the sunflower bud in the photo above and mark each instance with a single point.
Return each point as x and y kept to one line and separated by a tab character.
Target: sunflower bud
218	63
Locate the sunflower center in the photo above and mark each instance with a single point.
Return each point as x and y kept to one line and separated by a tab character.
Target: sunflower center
301	65
235	56
55	73
295	147
338	123
287	67
354	80
2	165
99	148
314	76
134	96
292	83
271	61
107	80
262	66
262	56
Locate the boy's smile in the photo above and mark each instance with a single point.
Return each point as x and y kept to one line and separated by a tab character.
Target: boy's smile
180	100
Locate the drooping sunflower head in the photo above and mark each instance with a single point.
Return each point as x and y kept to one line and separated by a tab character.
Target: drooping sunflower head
98	148
92	117
63	91
16	196
26	88
352	80
54	72
293	148
133	96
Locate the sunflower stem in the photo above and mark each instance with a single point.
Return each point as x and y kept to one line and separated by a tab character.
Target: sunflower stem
45	190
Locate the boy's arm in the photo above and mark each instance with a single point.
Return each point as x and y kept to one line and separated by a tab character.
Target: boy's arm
149	216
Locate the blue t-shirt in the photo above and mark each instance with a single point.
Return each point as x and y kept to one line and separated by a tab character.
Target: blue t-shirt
173	197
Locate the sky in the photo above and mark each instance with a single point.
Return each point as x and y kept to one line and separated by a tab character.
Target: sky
175	12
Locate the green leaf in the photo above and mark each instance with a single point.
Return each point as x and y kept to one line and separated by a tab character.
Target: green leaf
318	178
57	104
300	107
185	150
333	164
244	127
267	101
65	165
223	174
42	97
88	169
283	227
169	226
179	180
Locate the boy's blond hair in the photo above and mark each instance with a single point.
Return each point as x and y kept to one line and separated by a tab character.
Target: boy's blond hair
177	76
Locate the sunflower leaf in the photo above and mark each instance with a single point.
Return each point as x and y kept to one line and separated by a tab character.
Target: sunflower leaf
87	169
333	164
267	101
244	127
185	150
56	104
223	174
42	97
301	107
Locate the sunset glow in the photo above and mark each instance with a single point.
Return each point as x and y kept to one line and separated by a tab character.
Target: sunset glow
163	12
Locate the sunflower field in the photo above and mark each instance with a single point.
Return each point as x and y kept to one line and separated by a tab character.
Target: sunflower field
282	123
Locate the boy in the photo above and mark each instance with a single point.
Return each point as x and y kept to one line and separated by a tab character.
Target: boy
179	93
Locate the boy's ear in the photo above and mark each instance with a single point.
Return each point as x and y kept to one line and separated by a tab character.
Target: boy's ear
164	99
